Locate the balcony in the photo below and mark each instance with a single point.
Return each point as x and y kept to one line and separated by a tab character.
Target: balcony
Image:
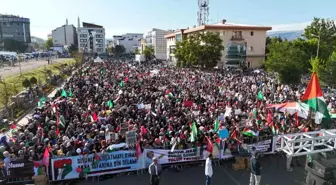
237	38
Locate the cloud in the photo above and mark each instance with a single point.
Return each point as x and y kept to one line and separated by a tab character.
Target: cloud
290	27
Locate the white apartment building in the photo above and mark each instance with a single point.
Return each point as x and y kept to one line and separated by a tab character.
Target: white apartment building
65	35
128	40
242	43
156	39
91	38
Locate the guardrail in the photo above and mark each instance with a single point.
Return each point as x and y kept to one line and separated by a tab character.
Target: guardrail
93	165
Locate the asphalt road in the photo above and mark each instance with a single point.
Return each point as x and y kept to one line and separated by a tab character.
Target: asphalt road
273	173
25	66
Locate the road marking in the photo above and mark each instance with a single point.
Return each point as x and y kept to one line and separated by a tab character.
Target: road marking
231	177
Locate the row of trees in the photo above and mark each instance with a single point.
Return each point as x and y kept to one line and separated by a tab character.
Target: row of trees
316	51
201	50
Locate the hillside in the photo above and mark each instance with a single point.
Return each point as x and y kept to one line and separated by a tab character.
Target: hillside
37	40
289	35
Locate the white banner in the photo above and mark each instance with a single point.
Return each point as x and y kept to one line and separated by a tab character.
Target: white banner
92	165
177	156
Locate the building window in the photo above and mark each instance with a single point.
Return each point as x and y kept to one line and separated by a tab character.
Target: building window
252	33
222	33
237	33
251	48
83	36
83	40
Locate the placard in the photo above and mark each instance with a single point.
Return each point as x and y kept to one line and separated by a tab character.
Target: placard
123	128
131	138
20	169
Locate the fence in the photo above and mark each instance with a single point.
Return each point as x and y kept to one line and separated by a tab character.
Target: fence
83	166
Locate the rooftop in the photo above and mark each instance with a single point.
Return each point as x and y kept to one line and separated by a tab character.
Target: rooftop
223	25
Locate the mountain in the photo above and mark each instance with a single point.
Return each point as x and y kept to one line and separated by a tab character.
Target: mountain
37	40
289	35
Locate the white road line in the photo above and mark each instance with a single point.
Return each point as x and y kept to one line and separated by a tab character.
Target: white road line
231	177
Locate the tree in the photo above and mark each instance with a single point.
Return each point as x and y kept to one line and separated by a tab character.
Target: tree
119	50
203	50
325	69
33	80
49	43
269	41
136	51
325	31
308	47
287	61
210	49
72	49
6	92
26	83
148	52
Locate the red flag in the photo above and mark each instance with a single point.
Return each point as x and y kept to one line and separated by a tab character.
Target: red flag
269	117
97	157
125	79
188	103
143	130
12	126
57	131
209	146
46	155
170	128
95	117
118	128
137	150
296	119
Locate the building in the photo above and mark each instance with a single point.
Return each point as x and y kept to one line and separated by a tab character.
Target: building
141	45
65	35
49	36
128	40
91	38
244	44
13	27
156	39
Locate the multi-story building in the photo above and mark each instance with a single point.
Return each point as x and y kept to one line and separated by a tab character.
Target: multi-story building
14	28
128	40
91	38
244	44
141	45
65	35
156	39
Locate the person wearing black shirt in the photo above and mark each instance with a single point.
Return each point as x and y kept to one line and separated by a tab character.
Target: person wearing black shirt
255	170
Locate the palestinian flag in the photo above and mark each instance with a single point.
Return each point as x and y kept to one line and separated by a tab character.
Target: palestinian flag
70	93
260	96
249	132
42	101
61	120
169	94
313	96
121	84
216	125
110	104
193	132
64	93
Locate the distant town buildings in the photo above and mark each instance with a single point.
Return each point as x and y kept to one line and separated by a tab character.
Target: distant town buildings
91	38
243	43
128	40
156	39
14	27
65	35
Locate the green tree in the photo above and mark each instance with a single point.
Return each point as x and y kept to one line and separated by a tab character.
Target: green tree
49	43
286	60
203	50
6	92
26	83
210	49
325	69
325	31
119	50
72	49
148	52
136	51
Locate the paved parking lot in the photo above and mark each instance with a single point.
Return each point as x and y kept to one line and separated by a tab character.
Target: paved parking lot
273	173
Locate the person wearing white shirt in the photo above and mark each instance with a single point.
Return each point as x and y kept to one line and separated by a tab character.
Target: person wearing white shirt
208	170
155	172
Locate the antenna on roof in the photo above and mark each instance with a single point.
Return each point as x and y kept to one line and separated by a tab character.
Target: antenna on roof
203	12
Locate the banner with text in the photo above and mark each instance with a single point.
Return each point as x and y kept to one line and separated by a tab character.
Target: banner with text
95	164
176	156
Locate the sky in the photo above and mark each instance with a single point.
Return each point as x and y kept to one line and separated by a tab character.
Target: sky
140	16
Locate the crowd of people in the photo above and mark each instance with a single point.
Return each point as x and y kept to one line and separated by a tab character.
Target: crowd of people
102	101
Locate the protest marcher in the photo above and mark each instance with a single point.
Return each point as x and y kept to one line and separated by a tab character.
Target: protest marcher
166	107
208	169
255	170
155	172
